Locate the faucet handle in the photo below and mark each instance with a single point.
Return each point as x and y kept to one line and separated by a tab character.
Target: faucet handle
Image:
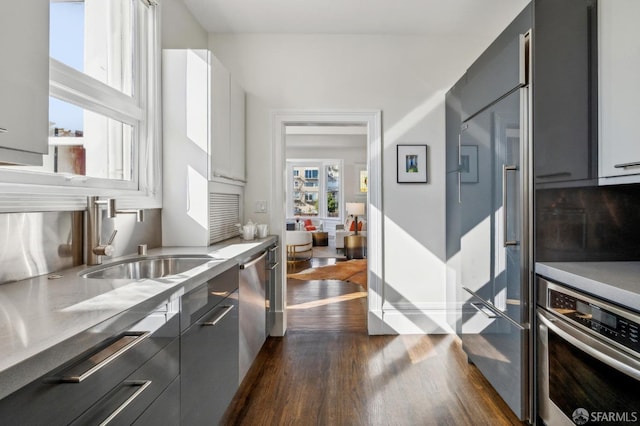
106	249
112	237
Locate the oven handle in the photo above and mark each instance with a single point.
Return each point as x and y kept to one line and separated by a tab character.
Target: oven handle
604	353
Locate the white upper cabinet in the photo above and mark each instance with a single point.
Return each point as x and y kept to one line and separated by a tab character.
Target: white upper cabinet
203	103
24	81
227	125
619	91
236	130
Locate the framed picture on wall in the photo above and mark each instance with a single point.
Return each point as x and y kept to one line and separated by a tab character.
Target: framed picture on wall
412	163
363	180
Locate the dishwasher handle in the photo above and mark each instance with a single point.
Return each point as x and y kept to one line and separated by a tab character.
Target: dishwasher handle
218	318
254	261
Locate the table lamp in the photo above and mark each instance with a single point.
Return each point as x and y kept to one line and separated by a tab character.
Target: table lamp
355	209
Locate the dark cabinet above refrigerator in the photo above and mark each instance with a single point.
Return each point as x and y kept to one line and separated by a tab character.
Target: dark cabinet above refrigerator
565	116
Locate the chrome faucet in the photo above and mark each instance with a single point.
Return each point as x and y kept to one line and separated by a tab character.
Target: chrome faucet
94	249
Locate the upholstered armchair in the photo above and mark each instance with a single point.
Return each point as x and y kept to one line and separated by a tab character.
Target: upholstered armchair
312	225
349	229
299	245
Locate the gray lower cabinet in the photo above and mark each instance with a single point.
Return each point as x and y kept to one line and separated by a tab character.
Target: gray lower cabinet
165	410
131	398
115	381
209	363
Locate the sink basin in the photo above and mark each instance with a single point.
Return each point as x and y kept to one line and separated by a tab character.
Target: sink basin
147	267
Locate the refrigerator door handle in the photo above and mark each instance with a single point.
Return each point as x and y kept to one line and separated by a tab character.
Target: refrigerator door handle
506	169
484	310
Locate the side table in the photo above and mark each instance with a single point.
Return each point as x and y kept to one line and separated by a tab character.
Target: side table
320	238
355	246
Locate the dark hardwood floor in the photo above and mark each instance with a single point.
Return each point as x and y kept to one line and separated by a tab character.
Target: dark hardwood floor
328	371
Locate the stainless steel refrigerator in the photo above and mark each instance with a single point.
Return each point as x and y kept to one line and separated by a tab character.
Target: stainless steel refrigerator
494	205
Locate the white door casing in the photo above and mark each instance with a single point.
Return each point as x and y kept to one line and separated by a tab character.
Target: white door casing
372	119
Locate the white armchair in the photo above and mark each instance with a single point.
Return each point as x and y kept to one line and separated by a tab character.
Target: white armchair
299	245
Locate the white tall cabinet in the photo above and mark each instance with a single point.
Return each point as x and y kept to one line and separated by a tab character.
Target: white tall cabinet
619	91
24	81
203	149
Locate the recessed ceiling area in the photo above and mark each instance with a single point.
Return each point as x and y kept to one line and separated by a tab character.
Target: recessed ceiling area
404	17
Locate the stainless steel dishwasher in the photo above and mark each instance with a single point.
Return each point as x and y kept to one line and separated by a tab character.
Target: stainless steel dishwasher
252	310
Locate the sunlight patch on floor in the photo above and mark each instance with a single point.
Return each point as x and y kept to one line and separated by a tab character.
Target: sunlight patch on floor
329	300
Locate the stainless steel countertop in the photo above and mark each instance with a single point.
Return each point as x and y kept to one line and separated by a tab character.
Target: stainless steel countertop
45	320
618	282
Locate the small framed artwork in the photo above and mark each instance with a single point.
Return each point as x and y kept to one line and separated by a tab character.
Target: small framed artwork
412	163
363	181
469	164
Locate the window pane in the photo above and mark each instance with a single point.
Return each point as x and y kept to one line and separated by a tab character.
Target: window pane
95	37
305	198
333	190
85	143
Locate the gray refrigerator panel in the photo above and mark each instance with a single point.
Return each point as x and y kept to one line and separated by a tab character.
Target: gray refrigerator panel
453	119
498	347
492	229
496	72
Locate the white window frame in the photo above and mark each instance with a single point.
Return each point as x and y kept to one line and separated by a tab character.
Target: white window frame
33	191
321	164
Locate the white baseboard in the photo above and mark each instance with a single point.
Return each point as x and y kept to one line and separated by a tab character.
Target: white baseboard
400	319
427	318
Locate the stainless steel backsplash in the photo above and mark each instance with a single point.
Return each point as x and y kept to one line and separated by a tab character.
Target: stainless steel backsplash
38	243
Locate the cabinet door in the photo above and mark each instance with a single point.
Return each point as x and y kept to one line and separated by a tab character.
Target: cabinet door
564	91
209	364
619	67
236	129
220	96
24	81
185	126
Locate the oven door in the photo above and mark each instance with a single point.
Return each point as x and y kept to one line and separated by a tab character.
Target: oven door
582	378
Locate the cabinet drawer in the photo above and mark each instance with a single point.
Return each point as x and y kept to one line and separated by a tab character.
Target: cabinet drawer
197	302
127	401
64	394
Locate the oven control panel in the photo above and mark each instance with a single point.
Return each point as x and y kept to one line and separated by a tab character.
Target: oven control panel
602	318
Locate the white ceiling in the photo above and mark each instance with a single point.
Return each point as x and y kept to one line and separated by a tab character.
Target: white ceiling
402	17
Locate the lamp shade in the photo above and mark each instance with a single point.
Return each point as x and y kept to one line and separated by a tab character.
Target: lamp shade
356	209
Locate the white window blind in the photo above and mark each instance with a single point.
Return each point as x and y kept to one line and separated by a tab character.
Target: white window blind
224	214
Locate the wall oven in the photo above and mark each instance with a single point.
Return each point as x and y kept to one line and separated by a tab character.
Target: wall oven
588	359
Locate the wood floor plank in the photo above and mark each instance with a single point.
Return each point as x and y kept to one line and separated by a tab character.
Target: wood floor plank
328	371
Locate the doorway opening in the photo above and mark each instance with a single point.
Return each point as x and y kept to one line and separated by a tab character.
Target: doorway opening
327	204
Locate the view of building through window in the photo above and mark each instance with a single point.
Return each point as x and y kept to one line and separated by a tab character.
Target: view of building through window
316	189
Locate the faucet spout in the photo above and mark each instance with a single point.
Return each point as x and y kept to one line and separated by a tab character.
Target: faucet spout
94	249
94	228
138	212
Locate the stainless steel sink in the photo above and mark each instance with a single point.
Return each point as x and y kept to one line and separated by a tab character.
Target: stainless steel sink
147	267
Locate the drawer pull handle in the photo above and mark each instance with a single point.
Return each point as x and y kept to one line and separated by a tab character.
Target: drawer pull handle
4	130
103	357
142	384
625	165
227	309
274	266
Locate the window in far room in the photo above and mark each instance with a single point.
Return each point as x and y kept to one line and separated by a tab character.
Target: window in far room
315	188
